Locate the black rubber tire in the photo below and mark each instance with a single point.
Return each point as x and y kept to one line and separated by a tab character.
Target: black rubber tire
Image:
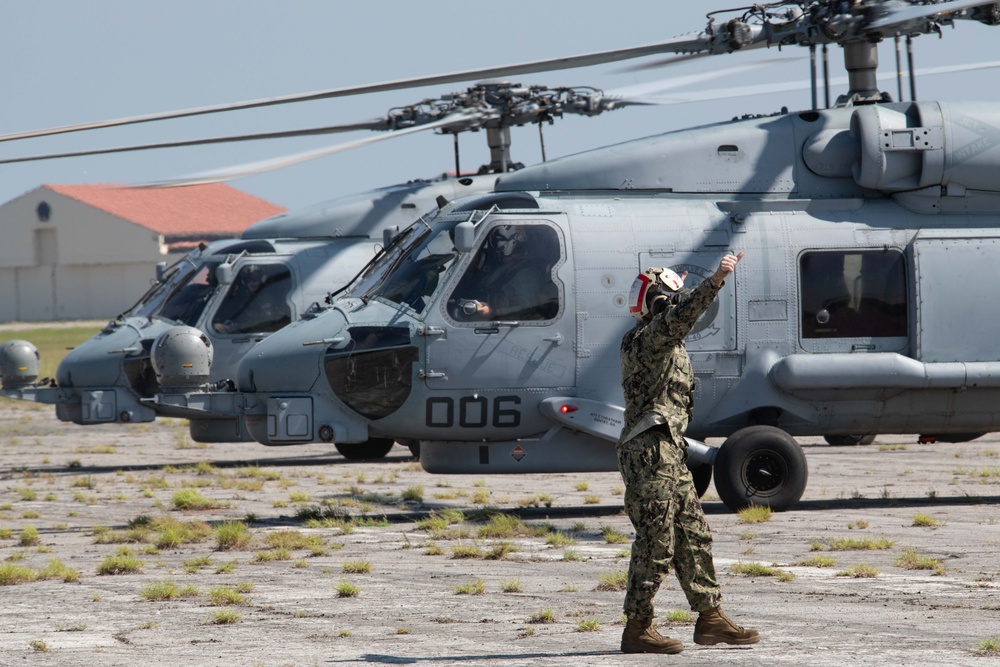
372	448
702	476
848	440
760	465
414	448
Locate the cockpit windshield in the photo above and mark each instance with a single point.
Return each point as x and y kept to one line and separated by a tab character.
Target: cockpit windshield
409	270
189	296
177	274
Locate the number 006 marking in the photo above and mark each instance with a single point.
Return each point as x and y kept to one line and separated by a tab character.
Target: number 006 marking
474	412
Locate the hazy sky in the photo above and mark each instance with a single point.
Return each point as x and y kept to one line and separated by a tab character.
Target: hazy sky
70	61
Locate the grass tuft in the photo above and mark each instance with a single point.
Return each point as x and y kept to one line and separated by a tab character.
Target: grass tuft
612	581
121	562
226	596
860	544
911	560
477	587
925	521
224	617
755	514
817	561
232	535
514	585
192	499
543	616
346	589
859	572
356	567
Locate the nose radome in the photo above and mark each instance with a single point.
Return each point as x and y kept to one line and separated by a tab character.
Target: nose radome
291	359
97	362
19	362
182	357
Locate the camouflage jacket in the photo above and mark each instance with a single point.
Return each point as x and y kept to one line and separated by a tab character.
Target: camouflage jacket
656	371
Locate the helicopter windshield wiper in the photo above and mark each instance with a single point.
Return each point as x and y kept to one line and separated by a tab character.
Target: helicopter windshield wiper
370	264
395	264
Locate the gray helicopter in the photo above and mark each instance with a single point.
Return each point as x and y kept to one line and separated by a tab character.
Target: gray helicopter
237	292
863	227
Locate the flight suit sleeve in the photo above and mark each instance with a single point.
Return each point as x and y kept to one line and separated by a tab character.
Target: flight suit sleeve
674	324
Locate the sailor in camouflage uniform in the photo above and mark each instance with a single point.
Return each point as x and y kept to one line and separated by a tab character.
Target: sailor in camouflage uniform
660	497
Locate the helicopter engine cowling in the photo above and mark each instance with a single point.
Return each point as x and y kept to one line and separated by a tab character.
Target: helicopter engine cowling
925	144
19	361
182	358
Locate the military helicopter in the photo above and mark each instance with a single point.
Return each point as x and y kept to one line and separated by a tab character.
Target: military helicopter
862	225
237	292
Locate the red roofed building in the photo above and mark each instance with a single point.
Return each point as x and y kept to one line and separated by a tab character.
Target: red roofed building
90	251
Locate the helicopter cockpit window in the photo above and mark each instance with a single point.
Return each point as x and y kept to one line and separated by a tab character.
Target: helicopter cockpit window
853	294
176	274
186	304
257	301
409	271
510	277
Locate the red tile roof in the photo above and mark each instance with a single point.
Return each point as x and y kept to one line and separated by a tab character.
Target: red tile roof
213	211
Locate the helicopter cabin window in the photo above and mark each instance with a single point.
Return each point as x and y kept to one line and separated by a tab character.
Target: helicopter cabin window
510	277
851	294
257	301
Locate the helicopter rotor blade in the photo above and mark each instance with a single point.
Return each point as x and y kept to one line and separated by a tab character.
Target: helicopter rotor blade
732	36
691	79
898	18
230	173
374	124
689	42
788	86
632	95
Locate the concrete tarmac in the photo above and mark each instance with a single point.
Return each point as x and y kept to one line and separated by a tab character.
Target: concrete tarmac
890	558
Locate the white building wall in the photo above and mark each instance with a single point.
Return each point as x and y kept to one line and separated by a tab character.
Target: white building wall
81	263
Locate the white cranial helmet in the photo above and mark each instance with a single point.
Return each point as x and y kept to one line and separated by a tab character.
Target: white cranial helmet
649	281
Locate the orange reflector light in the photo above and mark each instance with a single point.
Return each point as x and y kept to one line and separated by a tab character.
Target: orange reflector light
567	408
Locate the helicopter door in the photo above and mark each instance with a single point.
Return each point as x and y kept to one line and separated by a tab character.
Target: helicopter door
956	293
509	318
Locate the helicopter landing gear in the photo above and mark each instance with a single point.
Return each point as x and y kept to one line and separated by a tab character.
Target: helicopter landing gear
413	446
702	476
848	440
372	448
760	465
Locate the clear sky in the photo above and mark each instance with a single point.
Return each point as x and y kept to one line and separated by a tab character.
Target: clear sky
68	61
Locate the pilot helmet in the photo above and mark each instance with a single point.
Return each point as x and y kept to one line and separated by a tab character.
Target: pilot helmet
253	276
506	238
647	284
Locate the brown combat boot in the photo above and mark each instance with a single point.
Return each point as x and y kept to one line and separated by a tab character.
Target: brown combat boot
640	637
713	627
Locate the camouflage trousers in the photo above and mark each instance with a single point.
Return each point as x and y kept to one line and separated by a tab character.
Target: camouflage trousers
670	526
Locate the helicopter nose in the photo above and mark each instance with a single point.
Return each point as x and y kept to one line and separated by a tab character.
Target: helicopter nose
97	362
291	360
100	380
287	371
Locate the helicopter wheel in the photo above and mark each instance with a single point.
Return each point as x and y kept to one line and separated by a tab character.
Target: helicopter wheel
760	465
702	476
848	440
372	448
